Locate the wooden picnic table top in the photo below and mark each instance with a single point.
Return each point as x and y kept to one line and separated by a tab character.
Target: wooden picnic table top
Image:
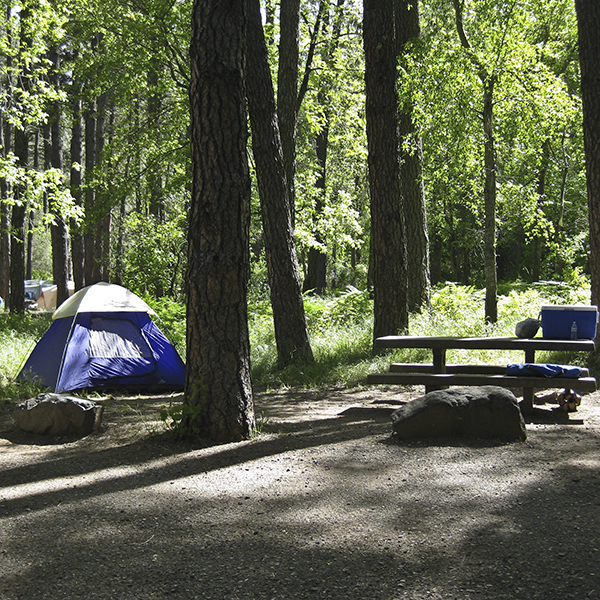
482	343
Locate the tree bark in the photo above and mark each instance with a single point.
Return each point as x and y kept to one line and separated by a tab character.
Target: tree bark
408	30
536	266
218	401
287	90
489	193
58	230
5	147
291	333
89	195
388	242
316	272
588	23
77	244
18	228
16	302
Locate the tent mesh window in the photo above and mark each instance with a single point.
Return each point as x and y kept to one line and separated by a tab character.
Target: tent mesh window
117	338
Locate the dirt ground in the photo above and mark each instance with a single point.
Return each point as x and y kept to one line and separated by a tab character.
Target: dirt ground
323	504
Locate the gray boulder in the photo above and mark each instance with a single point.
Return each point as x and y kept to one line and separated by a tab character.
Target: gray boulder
58	414
473	412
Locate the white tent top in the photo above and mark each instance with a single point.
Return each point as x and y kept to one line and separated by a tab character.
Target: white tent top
101	297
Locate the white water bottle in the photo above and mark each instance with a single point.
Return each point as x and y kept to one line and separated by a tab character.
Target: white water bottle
574	330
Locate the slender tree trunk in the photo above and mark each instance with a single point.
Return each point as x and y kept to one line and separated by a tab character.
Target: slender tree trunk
287	91
488	81
588	22
77	244
156	203
291	333
218	401
316	273
408	30
102	225
58	230
489	250
5	148
90	195
388	242
16	302
541	194
18	228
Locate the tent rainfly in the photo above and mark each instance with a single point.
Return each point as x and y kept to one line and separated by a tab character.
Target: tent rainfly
103	337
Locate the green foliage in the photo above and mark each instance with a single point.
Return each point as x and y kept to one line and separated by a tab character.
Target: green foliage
342	344
171	319
18	336
155	256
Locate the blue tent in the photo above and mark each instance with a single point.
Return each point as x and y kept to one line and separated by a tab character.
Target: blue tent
103	337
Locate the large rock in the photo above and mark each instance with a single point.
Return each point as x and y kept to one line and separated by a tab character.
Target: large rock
474	412
58	414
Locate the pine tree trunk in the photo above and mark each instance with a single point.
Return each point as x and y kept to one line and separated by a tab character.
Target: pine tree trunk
218	395
90	196
287	91
388	242
408	29
489	250
59	231
588	22
18	229
316	273
77	247
291	333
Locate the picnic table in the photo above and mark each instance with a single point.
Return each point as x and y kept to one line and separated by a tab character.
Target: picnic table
438	374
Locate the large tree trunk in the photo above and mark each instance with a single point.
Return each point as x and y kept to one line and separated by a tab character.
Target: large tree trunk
291	333
388	242
218	394
408	29
58	230
588	22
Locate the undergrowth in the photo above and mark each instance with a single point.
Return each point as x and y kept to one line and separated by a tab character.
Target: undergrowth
340	329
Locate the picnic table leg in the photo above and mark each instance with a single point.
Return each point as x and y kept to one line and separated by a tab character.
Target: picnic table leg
527	403
439	366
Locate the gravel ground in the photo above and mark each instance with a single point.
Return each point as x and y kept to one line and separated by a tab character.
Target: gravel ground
323	504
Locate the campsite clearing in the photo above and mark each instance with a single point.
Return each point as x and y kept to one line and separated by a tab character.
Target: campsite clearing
322	505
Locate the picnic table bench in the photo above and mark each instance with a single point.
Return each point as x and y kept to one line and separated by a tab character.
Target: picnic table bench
438	374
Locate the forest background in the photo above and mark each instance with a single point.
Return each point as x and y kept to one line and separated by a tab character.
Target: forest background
95	180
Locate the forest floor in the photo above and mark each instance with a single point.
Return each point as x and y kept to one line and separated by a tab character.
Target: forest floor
323	504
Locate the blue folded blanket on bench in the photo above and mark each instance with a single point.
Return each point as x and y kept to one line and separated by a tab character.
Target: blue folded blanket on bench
544	370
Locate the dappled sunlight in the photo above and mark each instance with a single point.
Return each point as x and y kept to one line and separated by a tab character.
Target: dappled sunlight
325	505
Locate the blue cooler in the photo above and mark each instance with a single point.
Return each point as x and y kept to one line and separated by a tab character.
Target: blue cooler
557	322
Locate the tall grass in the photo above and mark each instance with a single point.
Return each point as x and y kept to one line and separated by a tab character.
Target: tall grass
340	329
18	336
